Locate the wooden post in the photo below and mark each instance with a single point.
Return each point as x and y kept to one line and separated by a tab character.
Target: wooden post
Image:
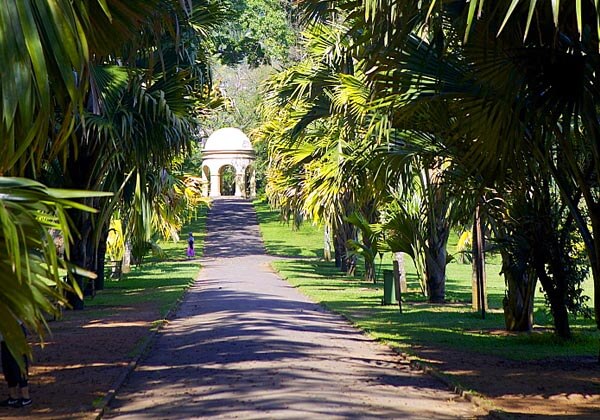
400	270
399	277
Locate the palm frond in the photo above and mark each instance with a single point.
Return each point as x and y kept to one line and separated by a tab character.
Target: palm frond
32	270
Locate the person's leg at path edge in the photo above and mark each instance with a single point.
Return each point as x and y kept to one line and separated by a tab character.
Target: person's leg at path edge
16	379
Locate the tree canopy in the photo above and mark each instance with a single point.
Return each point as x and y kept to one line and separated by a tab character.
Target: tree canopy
258	32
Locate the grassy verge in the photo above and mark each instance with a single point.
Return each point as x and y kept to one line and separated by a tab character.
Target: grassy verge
453	326
161	281
284	239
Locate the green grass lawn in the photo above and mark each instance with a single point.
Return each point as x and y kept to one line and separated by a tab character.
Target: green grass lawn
454	325
283	239
160	280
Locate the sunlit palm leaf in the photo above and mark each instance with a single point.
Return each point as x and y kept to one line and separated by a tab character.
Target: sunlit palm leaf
43	52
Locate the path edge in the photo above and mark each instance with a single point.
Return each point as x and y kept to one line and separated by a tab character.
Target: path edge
453	385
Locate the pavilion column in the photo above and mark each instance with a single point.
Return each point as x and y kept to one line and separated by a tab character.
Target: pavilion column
239	182
215	184
205	184
253	183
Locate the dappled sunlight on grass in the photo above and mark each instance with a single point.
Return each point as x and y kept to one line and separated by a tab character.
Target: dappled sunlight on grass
454	325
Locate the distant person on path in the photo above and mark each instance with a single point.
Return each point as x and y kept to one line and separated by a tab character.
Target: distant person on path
190	249
18	387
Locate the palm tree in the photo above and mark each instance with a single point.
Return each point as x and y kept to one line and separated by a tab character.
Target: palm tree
498	104
51	78
146	97
427	201
543	91
44	49
317	157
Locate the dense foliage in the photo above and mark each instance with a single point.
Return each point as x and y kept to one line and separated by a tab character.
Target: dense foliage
448	107
258	32
102	96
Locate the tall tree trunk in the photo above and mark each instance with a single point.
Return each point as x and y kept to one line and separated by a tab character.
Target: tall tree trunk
351	260
327	242
344	232
82	254
520	291
594	257
478	279
581	177
437	236
435	262
551	269
126	262
370	269
560	316
101	260
339	245
436	279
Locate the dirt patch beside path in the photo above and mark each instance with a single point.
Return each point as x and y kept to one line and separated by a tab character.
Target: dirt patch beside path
80	362
559	387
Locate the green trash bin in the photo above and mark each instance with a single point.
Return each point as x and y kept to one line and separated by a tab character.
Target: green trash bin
389	289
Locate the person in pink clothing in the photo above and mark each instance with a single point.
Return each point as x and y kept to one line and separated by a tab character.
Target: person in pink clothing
190	249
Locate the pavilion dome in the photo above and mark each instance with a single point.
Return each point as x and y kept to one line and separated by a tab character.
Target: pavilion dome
229	138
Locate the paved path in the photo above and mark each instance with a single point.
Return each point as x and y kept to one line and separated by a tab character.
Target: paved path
247	345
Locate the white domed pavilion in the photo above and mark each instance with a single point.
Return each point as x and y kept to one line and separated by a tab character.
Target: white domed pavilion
229	147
